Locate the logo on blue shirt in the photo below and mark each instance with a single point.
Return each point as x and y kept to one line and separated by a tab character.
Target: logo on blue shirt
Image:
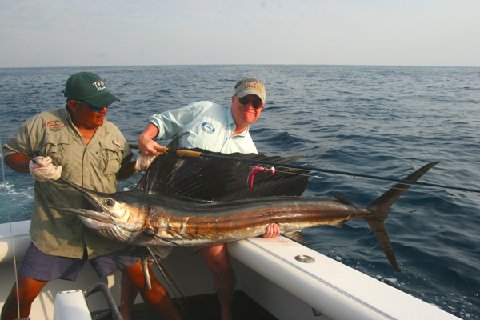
208	127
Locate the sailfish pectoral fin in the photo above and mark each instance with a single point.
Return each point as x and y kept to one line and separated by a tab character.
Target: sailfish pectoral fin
296	236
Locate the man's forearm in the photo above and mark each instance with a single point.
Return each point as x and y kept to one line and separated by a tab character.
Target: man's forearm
126	171
146	145
18	162
150	132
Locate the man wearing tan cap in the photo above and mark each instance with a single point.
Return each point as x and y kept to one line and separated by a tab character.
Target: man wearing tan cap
210	126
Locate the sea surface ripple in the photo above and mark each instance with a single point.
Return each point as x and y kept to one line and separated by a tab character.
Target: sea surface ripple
384	121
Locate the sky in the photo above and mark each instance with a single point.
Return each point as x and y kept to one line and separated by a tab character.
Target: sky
188	32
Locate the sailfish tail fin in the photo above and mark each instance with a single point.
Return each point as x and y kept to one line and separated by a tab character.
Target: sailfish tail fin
380	207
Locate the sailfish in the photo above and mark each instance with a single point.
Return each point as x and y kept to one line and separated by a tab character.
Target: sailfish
186	201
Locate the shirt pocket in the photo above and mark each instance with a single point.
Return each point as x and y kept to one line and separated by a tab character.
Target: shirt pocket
56	147
111	153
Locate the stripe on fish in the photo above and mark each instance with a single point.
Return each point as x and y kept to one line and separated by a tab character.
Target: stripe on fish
177	202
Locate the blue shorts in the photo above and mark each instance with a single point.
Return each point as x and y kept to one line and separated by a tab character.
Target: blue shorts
46	267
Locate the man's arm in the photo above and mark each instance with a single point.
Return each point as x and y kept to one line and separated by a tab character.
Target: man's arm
41	168
126	171
18	162
167	125
146	144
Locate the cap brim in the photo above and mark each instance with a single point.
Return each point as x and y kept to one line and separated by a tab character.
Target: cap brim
246	92
102	100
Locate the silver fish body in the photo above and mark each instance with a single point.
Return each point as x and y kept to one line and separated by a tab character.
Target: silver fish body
139	218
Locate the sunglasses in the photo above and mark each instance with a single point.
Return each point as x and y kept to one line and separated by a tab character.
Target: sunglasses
256	103
93	108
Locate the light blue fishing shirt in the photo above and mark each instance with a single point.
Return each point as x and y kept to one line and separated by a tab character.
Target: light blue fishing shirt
204	125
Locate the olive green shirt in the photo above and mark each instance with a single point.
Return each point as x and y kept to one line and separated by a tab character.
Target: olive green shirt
93	166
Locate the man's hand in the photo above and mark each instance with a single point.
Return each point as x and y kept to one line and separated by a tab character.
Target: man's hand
143	162
272	231
146	144
149	147
42	169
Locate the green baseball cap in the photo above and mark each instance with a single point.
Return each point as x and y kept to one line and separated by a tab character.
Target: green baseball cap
90	88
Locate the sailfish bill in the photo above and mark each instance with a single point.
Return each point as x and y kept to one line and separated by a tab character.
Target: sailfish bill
201	202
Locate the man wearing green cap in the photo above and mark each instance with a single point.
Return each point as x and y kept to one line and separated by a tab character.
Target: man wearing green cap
78	145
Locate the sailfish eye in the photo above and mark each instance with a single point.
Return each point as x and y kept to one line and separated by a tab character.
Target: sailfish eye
110	202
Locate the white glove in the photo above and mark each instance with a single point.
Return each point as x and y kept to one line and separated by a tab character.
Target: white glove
143	162
42	169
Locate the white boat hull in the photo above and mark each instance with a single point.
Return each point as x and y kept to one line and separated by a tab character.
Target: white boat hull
265	269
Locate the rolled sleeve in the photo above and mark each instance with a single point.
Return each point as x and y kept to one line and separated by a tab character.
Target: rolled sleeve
170	123
28	139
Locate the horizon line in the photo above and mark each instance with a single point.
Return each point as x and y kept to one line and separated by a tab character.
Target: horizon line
233	64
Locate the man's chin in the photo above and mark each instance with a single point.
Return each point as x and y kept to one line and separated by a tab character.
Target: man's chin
100	122
250	119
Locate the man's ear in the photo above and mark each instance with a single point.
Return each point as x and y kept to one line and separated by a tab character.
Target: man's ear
72	105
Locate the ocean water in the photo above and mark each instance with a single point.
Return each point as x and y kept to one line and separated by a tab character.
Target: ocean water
384	121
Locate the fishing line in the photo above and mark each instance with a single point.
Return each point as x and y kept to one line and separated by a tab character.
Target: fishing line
339	172
14	265
3	168
314	176
177	293
199	154
11	234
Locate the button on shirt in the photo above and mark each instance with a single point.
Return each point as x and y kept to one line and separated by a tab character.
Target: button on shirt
93	166
205	125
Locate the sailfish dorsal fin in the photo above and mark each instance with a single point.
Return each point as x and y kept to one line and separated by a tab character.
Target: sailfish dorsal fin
220	179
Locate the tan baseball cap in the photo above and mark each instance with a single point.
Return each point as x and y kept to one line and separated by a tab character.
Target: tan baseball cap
251	86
